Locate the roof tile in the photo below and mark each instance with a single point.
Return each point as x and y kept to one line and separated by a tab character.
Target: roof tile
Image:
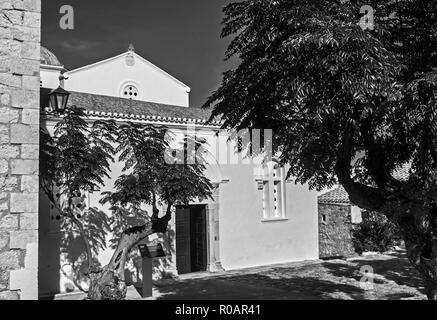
125	108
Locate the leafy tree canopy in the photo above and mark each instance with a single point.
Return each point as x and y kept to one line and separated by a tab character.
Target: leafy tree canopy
343	102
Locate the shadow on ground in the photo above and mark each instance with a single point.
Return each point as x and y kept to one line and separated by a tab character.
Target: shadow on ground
394	279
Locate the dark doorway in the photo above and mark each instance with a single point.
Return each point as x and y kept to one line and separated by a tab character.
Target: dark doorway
191	244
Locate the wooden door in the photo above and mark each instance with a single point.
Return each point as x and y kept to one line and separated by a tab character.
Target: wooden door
199	243
183	255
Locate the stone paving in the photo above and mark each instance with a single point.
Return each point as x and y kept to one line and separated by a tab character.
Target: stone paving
394	279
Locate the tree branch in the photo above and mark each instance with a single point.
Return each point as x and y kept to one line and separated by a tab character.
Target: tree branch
361	195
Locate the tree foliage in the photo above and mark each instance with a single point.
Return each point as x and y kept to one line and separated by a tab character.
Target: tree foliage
345	104
151	178
76	158
375	233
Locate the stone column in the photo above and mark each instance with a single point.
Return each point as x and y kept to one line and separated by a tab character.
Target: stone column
214	263
20	28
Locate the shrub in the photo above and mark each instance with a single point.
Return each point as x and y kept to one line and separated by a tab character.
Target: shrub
375	233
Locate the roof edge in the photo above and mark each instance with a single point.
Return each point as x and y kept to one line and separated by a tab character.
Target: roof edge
88	66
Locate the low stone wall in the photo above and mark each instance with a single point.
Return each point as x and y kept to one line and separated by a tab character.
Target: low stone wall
335	226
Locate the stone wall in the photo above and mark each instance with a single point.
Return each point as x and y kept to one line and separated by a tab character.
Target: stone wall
335	225
20	29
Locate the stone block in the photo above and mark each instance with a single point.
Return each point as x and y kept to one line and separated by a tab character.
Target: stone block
30	184
4	166
4	203
9	222
4	134
6	33
8	183
26	34
5	99
30	151
31	258
30	116
11	17
25	99
31	82
30	50
9	295
4	279
32	19
8	115
20	239
26	281
4	240
28	167
8	151
10	47
5	63
26	68
24	134
6	4
24	202
10	80
11	260
28	221
28	5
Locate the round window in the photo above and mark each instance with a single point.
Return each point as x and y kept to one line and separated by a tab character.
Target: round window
130	92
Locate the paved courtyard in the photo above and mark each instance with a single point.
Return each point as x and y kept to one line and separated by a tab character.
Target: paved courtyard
394	279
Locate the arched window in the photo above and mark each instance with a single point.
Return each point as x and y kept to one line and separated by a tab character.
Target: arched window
273	191
130	91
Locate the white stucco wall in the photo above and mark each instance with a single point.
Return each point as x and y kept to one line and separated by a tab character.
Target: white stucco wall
50	77
110	76
245	239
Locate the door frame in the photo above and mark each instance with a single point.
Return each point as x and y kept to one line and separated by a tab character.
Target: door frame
213	262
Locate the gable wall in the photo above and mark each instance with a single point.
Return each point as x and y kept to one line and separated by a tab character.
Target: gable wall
108	78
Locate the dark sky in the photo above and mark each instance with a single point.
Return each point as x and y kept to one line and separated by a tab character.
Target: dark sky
180	36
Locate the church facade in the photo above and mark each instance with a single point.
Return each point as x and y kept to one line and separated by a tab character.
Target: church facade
256	217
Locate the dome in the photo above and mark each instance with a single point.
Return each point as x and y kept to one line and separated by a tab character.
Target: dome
48	58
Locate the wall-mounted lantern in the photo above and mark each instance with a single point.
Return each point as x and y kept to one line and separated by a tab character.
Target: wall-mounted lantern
59	99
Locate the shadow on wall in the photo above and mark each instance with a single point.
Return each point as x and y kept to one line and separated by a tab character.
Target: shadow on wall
73	257
62	250
123	219
163	268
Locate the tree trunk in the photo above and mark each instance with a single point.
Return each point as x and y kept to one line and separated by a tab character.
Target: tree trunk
425	262
420	235
109	282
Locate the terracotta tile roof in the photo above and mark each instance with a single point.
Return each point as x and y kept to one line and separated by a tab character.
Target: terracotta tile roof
125	109
336	196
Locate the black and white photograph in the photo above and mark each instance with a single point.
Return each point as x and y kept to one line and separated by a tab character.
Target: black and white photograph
218	150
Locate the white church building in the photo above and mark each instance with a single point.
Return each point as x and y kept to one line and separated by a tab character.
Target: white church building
257	216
